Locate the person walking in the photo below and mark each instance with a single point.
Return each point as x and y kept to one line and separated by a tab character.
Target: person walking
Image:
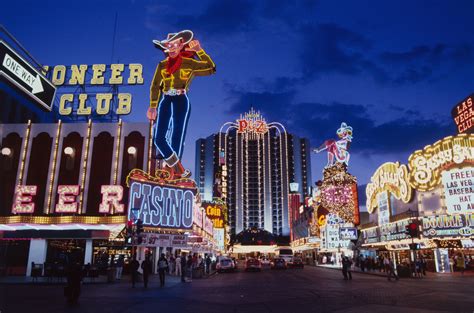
178	266
134	266
162	268
147	268
74	277
208	264
346	268
183	267
461	263
119	267
189	268
389	268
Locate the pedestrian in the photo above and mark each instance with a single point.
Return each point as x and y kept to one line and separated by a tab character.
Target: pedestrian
74	277
172	265
119	267
362	263
189	268
390	269
461	263
183	267
134	266
423	266
346	268
419	267
147	268
208	264
162	268
178	266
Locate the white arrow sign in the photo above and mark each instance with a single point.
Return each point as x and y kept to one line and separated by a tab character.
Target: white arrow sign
19	71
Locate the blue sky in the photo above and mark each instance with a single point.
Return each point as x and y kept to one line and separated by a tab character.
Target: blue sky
391	69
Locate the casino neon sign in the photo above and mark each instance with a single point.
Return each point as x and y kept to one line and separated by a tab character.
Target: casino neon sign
252	122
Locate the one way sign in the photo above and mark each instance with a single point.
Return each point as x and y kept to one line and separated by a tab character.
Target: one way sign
26	77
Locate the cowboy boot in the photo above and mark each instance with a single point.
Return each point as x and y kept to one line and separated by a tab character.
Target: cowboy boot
180	171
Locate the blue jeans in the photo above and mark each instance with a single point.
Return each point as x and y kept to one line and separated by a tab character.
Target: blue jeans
170	129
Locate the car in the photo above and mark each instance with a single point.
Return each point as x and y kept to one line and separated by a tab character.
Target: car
279	264
296	262
253	264
225	264
265	262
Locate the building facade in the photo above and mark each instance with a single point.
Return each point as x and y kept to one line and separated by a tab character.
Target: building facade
250	164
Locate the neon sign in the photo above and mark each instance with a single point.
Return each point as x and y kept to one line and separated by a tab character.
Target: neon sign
426	165
111	197
162	206
463	115
67	199
23	202
252	122
96	75
391	177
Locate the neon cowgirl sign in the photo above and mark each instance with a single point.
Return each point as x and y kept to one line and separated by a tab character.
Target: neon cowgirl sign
67	199
161	206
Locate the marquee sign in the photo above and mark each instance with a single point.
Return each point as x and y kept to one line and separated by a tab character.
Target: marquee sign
458	185
161	206
426	165
463	115
96	75
392	177
439	226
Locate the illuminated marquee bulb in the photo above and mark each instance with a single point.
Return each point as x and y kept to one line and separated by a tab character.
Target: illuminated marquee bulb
132	150
6	151
69	151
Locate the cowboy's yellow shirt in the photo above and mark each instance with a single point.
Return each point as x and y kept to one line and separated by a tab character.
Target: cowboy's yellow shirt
163	81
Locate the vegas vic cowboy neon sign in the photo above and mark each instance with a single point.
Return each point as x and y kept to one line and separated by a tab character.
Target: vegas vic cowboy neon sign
169	102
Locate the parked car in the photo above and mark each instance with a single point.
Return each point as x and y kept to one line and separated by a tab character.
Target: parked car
253	264
296	262
225	264
278	264
265	262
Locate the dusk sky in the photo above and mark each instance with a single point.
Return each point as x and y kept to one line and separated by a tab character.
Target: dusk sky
391	69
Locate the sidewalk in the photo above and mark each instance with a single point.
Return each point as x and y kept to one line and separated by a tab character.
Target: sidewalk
383	274
102	279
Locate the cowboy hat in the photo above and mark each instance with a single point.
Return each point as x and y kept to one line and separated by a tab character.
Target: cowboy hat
185	35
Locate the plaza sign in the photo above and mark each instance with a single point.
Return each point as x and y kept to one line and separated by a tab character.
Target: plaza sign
427	165
25	77
391	177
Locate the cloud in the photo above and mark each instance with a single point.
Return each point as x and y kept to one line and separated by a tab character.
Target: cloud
407	131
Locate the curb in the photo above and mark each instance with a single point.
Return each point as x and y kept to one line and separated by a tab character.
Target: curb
353	272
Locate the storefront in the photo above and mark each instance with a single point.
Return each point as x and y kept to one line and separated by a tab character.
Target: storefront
435	190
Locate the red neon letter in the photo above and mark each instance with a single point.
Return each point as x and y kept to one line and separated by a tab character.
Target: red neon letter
67	199
23	199
243	124
111	195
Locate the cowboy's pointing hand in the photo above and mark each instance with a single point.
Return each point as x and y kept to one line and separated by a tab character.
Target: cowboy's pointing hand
151	114
194	45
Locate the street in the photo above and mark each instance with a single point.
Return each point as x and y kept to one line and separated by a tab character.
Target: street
297	290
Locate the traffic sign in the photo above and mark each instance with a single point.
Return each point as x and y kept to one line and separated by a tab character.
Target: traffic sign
24	76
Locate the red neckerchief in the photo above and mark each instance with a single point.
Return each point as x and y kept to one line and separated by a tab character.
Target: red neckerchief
175	63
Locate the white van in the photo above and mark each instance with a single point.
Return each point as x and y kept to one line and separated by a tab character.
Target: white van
285	253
